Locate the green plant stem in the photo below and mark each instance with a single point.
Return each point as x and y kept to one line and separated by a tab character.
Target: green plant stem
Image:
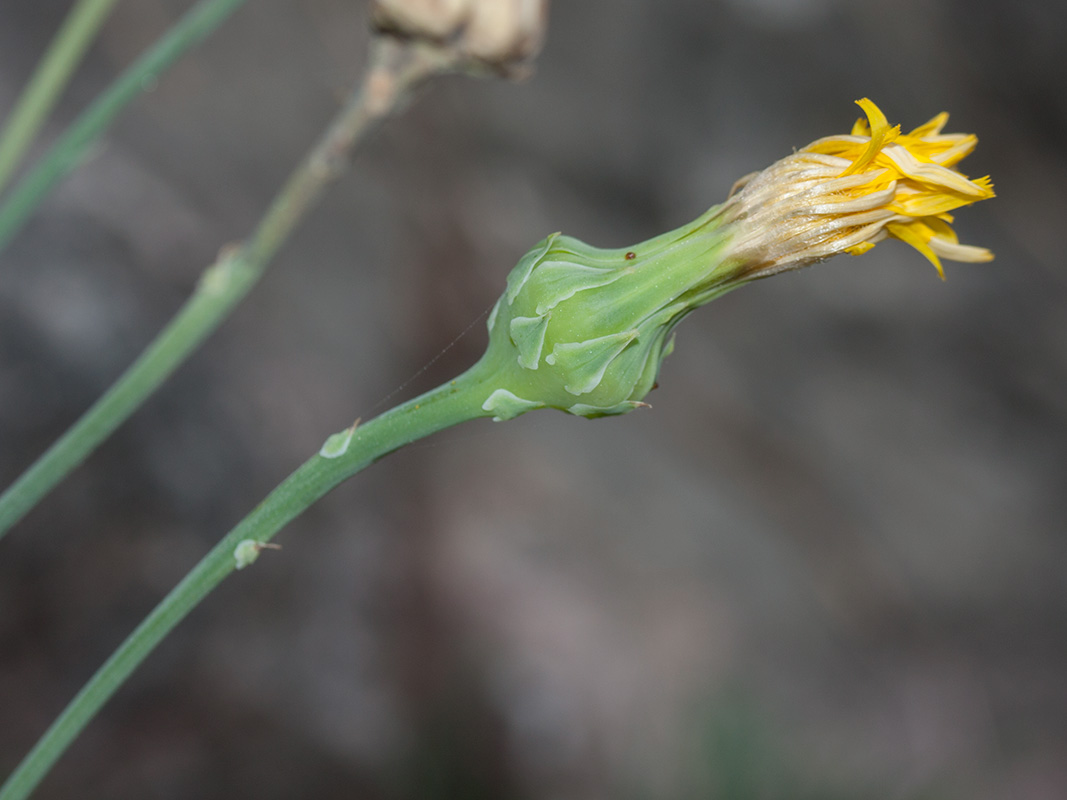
395	69
197	23
457	401
48	81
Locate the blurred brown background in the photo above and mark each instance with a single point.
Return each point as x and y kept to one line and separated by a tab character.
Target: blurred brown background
828	564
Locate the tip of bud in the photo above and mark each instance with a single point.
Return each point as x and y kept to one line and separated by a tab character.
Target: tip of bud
845	193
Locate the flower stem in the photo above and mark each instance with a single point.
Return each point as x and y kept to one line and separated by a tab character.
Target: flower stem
457	401
197	23
48	81
395	69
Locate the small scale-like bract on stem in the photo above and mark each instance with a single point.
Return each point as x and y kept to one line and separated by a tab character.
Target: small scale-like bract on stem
248	550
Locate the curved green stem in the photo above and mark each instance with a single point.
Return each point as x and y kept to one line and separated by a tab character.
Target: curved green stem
48	81
394	70
349	452
191	29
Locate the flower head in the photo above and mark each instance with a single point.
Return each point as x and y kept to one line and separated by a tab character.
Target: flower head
845	193
585	330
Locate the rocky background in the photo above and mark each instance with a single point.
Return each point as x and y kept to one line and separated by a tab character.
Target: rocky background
829	563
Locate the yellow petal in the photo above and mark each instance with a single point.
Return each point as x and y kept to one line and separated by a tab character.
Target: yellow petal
881	134
931	128
951	150
960	252
924	204
942	230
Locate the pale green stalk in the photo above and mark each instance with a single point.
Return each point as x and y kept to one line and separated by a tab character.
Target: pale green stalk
197	23
394	70
350	451
48	81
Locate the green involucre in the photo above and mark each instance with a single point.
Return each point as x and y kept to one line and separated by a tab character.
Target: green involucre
585	330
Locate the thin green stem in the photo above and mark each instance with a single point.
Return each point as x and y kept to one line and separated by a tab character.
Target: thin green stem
395	70
49	79
197	23
352	450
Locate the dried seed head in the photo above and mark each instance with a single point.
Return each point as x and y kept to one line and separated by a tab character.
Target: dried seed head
432	19
503	35
506	32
